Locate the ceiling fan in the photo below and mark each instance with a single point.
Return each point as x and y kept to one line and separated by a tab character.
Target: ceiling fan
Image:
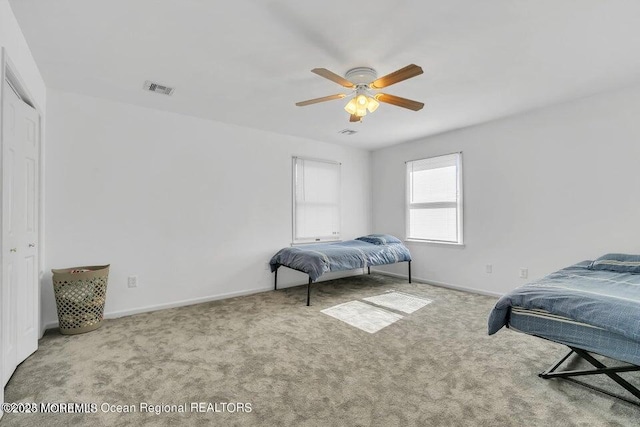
362	81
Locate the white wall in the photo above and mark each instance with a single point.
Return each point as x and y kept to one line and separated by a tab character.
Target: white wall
195	208
542	190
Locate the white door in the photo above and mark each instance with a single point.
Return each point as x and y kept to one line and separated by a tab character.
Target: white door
20	200
12	177
27	290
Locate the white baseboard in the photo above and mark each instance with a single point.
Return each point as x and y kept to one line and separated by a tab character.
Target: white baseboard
441	284
192	301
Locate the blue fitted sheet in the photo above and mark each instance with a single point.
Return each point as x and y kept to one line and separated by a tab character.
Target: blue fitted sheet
607	301
317	259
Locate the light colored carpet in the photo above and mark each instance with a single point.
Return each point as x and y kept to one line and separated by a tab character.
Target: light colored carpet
299	367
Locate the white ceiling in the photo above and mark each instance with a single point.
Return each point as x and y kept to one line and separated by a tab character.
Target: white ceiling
247	62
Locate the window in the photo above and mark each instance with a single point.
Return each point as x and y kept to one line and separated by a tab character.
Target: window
434	199
316	200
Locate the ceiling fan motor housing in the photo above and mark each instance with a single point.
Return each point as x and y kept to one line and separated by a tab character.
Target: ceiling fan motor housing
361	76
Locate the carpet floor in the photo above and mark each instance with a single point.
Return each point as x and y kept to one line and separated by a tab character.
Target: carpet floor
268	360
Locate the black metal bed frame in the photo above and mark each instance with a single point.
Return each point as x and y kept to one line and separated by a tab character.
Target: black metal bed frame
275	285
600	369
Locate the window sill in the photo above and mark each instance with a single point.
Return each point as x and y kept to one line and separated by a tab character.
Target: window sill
315	243
435	242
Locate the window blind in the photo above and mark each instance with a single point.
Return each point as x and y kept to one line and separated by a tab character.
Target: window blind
434	205
316	204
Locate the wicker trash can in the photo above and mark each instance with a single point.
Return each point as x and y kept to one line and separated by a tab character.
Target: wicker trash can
80	295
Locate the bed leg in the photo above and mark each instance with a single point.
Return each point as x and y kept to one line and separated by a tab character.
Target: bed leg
409	271
368	270
545	375
622	382
275	281
611	372
309	292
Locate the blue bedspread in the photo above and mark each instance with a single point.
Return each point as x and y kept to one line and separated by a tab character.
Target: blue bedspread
317	259
605	299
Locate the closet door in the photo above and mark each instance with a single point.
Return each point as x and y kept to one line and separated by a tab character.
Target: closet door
27	289
12	218
20	207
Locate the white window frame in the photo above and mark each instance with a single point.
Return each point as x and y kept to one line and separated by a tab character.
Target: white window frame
316	239
458	203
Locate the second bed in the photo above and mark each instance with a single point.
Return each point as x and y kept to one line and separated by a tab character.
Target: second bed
592	307
317	259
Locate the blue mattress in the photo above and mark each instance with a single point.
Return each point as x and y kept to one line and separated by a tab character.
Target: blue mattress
575	334
596	310
317	259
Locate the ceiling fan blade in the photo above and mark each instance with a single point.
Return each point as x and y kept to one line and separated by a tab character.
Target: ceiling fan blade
354	118
399	102
397	76
323	99
323	72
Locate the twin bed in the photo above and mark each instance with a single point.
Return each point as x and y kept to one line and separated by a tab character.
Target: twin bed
317	259
591	307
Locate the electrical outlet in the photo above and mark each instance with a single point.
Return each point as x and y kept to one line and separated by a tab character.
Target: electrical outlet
524	273
488	268
132	281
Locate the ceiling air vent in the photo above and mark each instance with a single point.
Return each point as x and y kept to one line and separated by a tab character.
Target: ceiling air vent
347	131
158	88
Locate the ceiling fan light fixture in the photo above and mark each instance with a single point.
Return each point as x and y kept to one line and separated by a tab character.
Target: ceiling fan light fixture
351	106
372	104
359	105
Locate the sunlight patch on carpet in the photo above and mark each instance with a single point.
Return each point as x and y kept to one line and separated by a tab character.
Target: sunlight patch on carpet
399	301
363	316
